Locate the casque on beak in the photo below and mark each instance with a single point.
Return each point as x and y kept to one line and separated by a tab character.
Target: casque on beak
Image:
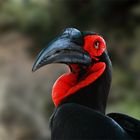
67	49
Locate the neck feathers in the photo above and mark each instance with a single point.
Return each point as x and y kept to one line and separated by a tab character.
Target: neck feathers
94	95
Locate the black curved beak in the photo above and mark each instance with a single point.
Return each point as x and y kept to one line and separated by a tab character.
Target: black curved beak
67	48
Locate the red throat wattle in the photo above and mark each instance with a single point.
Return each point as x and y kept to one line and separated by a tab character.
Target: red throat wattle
68	83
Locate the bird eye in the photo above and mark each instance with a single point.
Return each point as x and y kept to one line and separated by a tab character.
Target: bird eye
96	45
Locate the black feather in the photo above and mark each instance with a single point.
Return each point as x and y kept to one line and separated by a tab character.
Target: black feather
77	122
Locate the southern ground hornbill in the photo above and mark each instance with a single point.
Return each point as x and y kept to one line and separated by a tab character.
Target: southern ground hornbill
80	95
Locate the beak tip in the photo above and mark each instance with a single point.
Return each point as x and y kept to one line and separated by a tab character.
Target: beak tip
34	68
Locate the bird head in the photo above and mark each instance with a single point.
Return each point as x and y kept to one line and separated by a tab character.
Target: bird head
85	54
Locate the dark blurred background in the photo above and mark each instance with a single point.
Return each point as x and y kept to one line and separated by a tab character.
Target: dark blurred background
26	26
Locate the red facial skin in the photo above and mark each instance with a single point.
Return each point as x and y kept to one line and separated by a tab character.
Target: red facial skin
68	83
